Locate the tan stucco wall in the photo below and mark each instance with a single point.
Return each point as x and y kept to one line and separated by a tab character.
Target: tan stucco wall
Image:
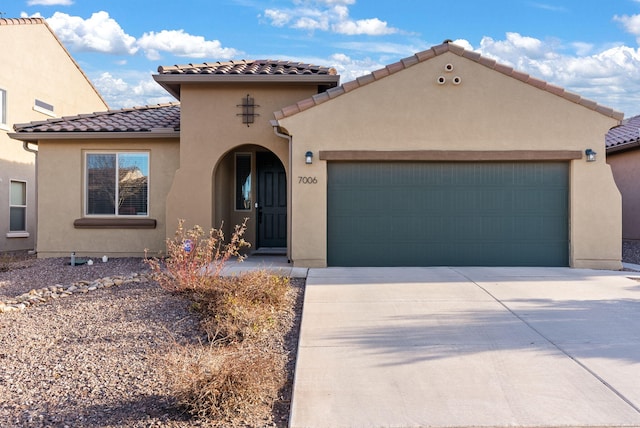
40	68
627	176
210	130
61	199
409	110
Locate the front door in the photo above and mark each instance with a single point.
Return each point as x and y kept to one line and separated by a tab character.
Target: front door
272	201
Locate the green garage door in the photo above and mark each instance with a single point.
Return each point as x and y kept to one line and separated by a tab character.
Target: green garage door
447	214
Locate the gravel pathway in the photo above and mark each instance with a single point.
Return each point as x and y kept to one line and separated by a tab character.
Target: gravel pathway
94	359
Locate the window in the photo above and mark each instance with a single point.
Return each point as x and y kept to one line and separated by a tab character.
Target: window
43	107
18	206
117	184
243	181
3	107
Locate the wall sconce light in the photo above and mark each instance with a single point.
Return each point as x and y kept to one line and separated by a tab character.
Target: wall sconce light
308	158
591	155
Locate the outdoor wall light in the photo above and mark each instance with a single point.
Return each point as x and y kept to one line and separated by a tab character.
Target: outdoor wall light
308	158
591	155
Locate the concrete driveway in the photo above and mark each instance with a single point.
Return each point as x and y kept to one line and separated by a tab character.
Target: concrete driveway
454	347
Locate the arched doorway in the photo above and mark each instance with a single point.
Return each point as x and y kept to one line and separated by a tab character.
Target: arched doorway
250	182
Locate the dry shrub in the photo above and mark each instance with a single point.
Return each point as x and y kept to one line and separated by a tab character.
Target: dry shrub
229	386
193	257
242	307
233	380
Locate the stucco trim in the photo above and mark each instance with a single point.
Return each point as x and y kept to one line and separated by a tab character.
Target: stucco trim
114	223
450	155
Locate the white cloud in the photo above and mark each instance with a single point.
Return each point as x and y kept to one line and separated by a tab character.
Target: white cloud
326	15
311	24
630	23
179	43
130	90
397	50
99	33
279	18
50	2
350	69
549	7
514	46
372	27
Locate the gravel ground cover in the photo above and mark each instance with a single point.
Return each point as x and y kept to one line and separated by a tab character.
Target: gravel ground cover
96	359
631	252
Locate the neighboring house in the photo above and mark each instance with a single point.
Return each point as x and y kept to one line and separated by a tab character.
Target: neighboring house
623	154
38	80
443	158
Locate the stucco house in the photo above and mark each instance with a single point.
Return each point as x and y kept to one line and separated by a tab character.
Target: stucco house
38	80
443	158
622	143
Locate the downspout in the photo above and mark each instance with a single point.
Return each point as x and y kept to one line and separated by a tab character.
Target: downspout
277	129
25	146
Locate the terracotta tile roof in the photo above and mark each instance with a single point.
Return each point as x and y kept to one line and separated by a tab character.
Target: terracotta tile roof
431	53
625	136
243	67
20	21
138	119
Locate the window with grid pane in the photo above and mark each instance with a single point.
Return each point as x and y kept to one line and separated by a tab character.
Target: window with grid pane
117	184
18	207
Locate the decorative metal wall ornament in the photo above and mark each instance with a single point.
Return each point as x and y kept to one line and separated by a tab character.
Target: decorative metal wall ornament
248	110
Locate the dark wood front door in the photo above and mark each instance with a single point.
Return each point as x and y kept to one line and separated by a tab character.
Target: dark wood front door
272	201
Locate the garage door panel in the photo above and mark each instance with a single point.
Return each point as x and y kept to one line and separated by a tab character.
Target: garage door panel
429	214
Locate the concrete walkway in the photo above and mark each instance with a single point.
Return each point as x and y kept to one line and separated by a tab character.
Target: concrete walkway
276	264
458	347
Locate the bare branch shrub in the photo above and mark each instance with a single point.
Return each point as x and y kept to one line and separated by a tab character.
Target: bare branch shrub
193	257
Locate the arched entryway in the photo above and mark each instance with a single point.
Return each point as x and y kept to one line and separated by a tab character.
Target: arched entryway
251	182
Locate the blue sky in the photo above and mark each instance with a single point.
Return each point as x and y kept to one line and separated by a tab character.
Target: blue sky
586	46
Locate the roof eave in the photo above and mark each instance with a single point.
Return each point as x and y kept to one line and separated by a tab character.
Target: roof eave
34	137
177	79
623	147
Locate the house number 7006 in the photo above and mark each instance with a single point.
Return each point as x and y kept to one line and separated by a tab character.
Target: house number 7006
308	180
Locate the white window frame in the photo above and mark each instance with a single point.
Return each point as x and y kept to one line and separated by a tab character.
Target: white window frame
18	233
3	110
42	108
85	188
